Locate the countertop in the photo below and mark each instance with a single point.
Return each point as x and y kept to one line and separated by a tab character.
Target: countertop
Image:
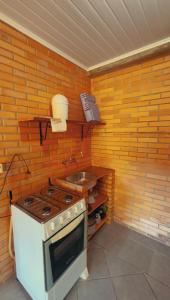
98	172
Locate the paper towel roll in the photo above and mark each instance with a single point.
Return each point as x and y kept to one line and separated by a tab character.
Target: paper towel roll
58	126
60	111
60	107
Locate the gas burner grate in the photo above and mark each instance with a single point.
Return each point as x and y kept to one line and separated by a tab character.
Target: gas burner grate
68	199
46	211
51	190
28	201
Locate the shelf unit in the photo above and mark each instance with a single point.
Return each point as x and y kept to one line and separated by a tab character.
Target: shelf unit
85	126
98	226
101	199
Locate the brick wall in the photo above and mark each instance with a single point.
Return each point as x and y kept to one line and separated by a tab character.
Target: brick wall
135	103
30	75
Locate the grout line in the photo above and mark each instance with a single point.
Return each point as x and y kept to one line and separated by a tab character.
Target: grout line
130	274
107	266
77	292
166	285
150	287
129	263
94	279
105	277
123	260
99	246
112	276
114	289
144	236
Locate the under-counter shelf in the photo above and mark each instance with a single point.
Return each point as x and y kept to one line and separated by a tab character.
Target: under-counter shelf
101	199
98	226
85	126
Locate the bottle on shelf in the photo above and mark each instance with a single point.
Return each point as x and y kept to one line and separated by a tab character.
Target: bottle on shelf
102	211
98	218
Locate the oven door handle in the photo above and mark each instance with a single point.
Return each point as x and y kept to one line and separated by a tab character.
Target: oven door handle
68	229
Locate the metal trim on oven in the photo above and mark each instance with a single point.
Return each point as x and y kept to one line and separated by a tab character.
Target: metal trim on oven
59	235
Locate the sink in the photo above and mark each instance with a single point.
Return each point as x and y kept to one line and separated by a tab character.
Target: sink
80	181
83	178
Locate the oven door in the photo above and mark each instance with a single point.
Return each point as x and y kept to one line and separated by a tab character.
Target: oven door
63	248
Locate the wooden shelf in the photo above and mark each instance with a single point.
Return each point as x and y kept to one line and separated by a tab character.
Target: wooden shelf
47	119
98	226
84	125
101	199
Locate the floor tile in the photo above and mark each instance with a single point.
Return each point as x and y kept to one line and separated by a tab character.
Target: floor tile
93	245
96	290
136	254
97	265
148	242
114	248
162	249
119	267
120	253
160	268
13	290
72	295
119	229
105	237
161	291
133	287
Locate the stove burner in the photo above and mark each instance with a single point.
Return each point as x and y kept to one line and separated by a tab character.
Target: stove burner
51	190
68	198
28	201
46	210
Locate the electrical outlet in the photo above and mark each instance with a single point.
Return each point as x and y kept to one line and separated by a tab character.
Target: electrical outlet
1	168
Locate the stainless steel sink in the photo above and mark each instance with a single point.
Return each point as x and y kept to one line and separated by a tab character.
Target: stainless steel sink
82	178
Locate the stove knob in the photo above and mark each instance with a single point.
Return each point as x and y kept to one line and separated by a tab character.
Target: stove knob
52	226
81	206
68	214
76	209
61	220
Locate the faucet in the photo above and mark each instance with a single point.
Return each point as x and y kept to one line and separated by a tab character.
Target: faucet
69	161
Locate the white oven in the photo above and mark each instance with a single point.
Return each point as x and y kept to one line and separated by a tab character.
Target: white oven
51	256
62	249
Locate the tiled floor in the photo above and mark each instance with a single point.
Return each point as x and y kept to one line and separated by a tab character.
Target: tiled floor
123	265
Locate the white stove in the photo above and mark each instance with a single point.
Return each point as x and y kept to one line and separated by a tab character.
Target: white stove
50	240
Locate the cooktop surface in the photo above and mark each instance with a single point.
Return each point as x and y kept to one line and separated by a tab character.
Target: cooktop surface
48	203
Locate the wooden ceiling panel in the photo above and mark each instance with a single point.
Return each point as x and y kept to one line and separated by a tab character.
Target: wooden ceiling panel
91	32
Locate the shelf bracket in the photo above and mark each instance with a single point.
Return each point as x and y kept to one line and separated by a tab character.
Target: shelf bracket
46	128
43	138
83	130
88	129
